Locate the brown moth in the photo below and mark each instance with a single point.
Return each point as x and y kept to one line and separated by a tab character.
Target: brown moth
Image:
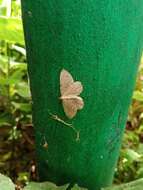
70	91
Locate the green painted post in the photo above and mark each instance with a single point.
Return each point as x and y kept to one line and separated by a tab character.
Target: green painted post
99	43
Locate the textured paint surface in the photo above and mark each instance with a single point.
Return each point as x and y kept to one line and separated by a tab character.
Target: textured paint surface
99	43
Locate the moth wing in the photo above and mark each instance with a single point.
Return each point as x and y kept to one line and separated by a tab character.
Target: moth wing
79	102
65	81
74	89
72	105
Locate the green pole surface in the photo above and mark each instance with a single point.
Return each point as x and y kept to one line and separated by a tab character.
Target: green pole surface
99	43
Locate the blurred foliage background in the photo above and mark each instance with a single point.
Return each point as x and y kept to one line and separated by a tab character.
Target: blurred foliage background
17	151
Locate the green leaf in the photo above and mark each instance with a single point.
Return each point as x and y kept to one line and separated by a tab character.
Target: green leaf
5	157
23	90
11	30
22	106
137	95
19	49
23	176
18	65
6	183
76	187
135	185
140	173
131	155
44	186
14	78
5	119
50	186
2	10
3	63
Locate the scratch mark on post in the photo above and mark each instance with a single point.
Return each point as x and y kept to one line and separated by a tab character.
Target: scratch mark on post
57	118
60	120
117	135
